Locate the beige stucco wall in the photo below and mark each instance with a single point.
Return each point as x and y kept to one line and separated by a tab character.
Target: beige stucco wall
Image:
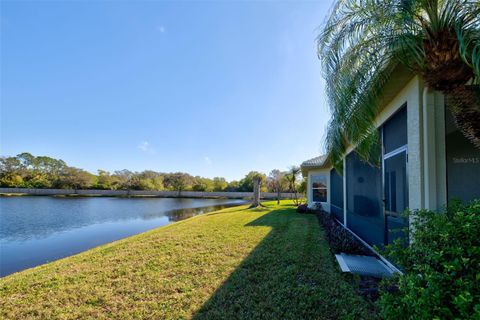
411	94
426	167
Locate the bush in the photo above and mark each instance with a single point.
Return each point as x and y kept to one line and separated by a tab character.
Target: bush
303	208
442	267
339	239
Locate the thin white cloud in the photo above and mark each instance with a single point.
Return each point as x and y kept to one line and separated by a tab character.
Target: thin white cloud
145	146
161	29
207	160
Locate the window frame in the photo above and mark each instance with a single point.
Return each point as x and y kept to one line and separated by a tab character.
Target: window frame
325	187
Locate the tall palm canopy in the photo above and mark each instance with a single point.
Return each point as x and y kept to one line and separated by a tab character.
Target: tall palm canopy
364	40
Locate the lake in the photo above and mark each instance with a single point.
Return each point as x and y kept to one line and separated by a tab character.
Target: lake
36	229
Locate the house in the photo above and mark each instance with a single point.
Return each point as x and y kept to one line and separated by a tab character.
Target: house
425	162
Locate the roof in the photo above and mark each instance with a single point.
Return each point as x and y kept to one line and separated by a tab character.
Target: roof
315	162
319	162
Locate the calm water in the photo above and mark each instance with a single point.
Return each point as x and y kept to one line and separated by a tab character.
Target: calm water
35	230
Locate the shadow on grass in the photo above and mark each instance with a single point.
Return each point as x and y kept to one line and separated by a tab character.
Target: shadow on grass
289	275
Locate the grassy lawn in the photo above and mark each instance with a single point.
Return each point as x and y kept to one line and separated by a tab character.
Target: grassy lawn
269	263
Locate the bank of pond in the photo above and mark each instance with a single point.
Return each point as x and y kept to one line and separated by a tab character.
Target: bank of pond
35	230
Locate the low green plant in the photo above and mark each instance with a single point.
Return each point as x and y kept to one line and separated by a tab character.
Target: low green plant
441	266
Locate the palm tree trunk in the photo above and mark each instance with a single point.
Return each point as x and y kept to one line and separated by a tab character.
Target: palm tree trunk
464	103
256	193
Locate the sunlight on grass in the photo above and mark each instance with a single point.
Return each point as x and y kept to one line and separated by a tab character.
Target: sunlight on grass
231	263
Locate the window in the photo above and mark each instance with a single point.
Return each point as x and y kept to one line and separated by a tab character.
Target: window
319	188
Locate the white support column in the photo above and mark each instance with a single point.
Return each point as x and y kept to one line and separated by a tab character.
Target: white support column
434	164
415	145
441	157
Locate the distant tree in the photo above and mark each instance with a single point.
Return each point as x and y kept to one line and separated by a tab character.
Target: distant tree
75	178
233	186
104	180
302	187
122	179
50	166
28	171
246	184
11	181
10	172
219	184
146	180
9	165
41	180
178	181
199	184
202	184
276	182
27	160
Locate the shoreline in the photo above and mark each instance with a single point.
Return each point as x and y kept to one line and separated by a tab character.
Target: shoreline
15	192
185	213
193	269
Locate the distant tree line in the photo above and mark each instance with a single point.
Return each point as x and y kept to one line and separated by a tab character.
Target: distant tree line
28	171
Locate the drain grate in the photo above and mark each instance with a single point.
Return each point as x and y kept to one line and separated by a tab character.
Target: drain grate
363	265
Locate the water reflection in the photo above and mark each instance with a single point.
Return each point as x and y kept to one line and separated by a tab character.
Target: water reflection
35	230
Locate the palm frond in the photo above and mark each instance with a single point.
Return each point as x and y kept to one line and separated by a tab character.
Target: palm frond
361	43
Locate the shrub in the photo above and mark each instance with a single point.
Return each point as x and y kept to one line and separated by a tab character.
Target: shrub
303	208
442	267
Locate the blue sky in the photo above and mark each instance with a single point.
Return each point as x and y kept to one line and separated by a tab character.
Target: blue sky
209	88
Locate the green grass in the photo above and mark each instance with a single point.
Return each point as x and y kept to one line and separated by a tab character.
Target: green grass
268	263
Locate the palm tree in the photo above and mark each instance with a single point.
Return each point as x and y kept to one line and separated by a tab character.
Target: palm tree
291	177
363	41
257	181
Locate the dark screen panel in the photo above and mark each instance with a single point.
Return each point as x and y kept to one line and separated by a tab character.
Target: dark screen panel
364	200
396	195
336	196
395	131
463	164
